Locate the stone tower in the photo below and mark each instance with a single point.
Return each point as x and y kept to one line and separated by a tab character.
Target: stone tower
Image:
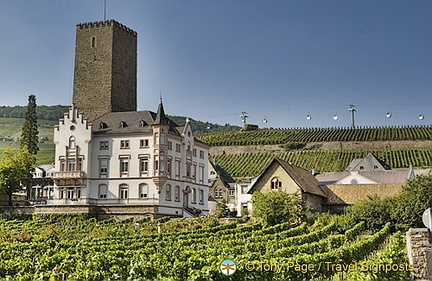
105	68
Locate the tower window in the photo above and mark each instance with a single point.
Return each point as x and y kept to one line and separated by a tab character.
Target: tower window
93	42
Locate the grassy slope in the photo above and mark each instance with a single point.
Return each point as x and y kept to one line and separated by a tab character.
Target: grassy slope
11	128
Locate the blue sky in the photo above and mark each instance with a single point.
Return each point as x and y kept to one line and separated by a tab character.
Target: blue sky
278	59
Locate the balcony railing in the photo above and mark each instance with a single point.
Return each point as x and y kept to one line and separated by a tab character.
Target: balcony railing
69	174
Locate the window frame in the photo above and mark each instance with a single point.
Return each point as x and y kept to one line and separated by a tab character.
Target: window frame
124	160
144	143
143	189
168	193
100	193
123	191
103	145
124	144
177	193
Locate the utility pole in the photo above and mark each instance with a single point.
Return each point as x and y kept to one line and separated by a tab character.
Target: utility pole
104	10
244	117
352	109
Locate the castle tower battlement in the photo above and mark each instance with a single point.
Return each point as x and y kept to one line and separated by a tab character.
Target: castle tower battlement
96	24
105	74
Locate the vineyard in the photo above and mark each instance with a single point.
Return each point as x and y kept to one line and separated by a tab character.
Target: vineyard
305	135
193	249
252	164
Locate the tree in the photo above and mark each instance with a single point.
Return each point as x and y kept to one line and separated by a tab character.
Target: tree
223	210
403	211
14	170
374	211
413	200
276	207
29	133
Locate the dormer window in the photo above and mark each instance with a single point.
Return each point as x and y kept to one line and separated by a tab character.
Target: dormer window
103	125
143	123
123	124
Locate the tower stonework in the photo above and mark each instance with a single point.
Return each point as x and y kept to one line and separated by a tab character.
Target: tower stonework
105	75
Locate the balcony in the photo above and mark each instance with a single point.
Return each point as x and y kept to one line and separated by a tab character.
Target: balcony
69	175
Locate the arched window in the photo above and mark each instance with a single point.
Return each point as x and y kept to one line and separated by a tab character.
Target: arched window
168	192
71	142
354	181
177	193
194	195
93	42
276	183
123	191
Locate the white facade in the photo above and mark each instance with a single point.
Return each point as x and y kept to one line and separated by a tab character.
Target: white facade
356	178
243	199
130	158
40	186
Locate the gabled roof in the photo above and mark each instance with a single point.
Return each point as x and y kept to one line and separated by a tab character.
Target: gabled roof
303	178
129	122
368	163
223	175
399	176
46	167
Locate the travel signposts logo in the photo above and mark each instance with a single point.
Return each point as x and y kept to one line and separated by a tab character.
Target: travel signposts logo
227	267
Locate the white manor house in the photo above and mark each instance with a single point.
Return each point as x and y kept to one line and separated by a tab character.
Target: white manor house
113	158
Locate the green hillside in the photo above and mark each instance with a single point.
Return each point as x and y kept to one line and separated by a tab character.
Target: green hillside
252	164
85	249
305	135
10	128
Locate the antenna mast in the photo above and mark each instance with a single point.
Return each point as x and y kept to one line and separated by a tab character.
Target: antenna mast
243	117
104	10
352	109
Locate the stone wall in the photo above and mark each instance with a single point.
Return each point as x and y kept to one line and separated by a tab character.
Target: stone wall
102	212
419	252
220	150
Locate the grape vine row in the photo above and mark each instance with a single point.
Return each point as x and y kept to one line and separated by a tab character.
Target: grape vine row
252	164
305	135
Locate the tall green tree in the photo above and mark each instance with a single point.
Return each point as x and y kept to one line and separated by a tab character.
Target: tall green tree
15	169
29	133
276	207
412	201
